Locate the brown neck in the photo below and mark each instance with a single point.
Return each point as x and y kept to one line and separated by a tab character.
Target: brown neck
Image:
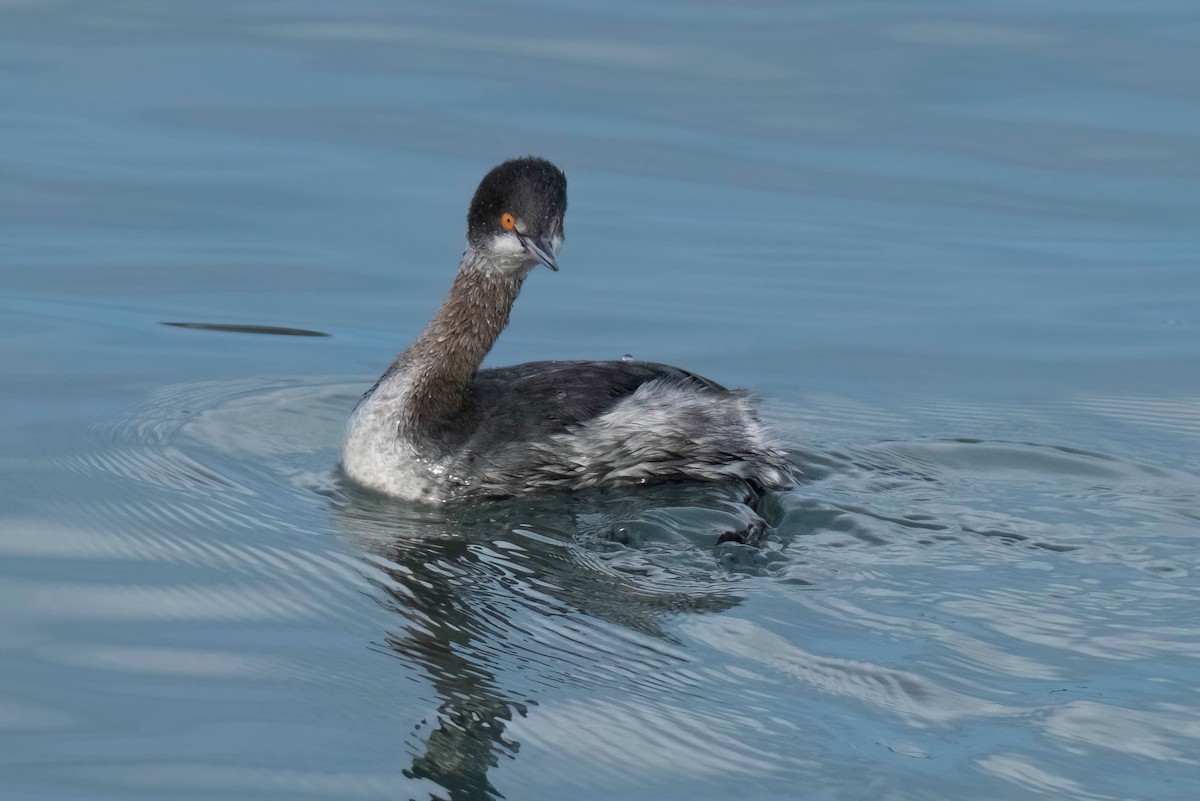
437	369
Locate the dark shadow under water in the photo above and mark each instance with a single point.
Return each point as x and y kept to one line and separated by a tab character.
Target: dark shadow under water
249	328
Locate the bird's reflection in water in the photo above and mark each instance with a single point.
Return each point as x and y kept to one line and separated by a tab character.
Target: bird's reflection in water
502	598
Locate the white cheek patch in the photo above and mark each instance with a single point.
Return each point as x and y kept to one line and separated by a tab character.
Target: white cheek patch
504	245
504	253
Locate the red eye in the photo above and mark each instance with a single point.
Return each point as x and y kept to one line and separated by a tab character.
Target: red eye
507	221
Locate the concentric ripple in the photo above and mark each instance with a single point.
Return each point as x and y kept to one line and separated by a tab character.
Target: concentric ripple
910	588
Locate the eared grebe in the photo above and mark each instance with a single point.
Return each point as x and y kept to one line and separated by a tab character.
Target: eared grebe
437	427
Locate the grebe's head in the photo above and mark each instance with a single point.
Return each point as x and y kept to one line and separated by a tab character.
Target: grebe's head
516	216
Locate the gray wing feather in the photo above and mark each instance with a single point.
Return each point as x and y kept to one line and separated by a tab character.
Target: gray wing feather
528	403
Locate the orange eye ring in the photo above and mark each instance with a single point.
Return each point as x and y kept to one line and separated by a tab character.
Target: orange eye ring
507	221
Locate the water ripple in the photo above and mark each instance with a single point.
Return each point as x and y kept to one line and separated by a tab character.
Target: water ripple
624	740
931	583
1165	733
1026	775
906	694
1174	415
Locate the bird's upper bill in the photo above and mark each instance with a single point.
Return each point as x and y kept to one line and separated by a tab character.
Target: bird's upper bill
544	248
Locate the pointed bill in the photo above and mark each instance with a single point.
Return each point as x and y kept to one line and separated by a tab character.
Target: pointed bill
543	249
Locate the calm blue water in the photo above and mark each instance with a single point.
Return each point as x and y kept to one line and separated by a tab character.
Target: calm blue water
954	246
